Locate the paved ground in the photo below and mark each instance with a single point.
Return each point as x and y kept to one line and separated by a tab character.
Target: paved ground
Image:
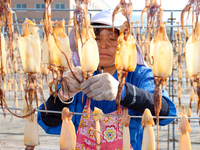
12	130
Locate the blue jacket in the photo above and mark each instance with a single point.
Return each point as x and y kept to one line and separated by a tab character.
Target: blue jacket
142	78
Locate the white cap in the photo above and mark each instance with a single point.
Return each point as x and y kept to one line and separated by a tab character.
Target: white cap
105	17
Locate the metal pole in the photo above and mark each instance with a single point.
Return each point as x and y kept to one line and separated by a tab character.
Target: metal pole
78	113
168	136
15	18
173	124
104	26
36	9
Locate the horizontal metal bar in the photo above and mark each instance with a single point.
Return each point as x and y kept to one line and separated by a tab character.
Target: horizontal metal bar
36	9
134	26
76	113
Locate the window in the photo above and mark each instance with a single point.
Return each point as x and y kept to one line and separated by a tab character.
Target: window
39	6
59	6
43	6
56	6
20	5
62	6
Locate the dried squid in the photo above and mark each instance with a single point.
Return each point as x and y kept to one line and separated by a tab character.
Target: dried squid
47	18
2	69
152	8
3	56
126	133
57	50
148	141
195	6
57	53
31	135
192	59
59	40
184	127
192	46
126	54
189	112
44	72
125	61
67	134
85	41
30	52
162	56
98	114
6	20
152	46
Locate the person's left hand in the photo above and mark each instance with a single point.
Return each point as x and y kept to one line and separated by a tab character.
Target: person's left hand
101	87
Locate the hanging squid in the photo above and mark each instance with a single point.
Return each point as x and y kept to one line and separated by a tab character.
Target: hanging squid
85	41
189	113
2	70
56	50
98	115
148	141
30	52
126	133
67	134
162	55
152	8
126	54
184	127
125	61
57	53
192	46
194	5
31	135
6	20
193	61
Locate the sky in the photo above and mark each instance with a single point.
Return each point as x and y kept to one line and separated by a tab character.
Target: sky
166	5
139	4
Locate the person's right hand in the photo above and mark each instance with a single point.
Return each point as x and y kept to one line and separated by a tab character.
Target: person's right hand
73	86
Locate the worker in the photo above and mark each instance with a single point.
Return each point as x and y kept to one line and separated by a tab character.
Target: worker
102	88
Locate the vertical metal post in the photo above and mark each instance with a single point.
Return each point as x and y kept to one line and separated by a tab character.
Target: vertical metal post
168	137
15	19
172	77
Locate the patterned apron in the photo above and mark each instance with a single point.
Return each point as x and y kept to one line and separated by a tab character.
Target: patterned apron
111	132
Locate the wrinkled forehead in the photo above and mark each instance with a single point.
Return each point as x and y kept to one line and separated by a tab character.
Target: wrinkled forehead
109	31
106	32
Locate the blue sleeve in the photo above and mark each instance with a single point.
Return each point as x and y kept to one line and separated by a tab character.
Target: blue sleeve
51	122
147	81
48	129
143	79
172	109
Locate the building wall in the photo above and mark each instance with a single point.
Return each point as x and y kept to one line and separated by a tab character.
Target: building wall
56	15
38	15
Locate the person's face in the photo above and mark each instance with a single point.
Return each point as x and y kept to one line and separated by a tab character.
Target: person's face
107	44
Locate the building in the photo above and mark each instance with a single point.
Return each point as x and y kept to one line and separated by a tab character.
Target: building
33	9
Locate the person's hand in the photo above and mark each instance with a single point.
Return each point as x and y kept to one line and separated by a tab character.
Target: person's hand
72	86
101	87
